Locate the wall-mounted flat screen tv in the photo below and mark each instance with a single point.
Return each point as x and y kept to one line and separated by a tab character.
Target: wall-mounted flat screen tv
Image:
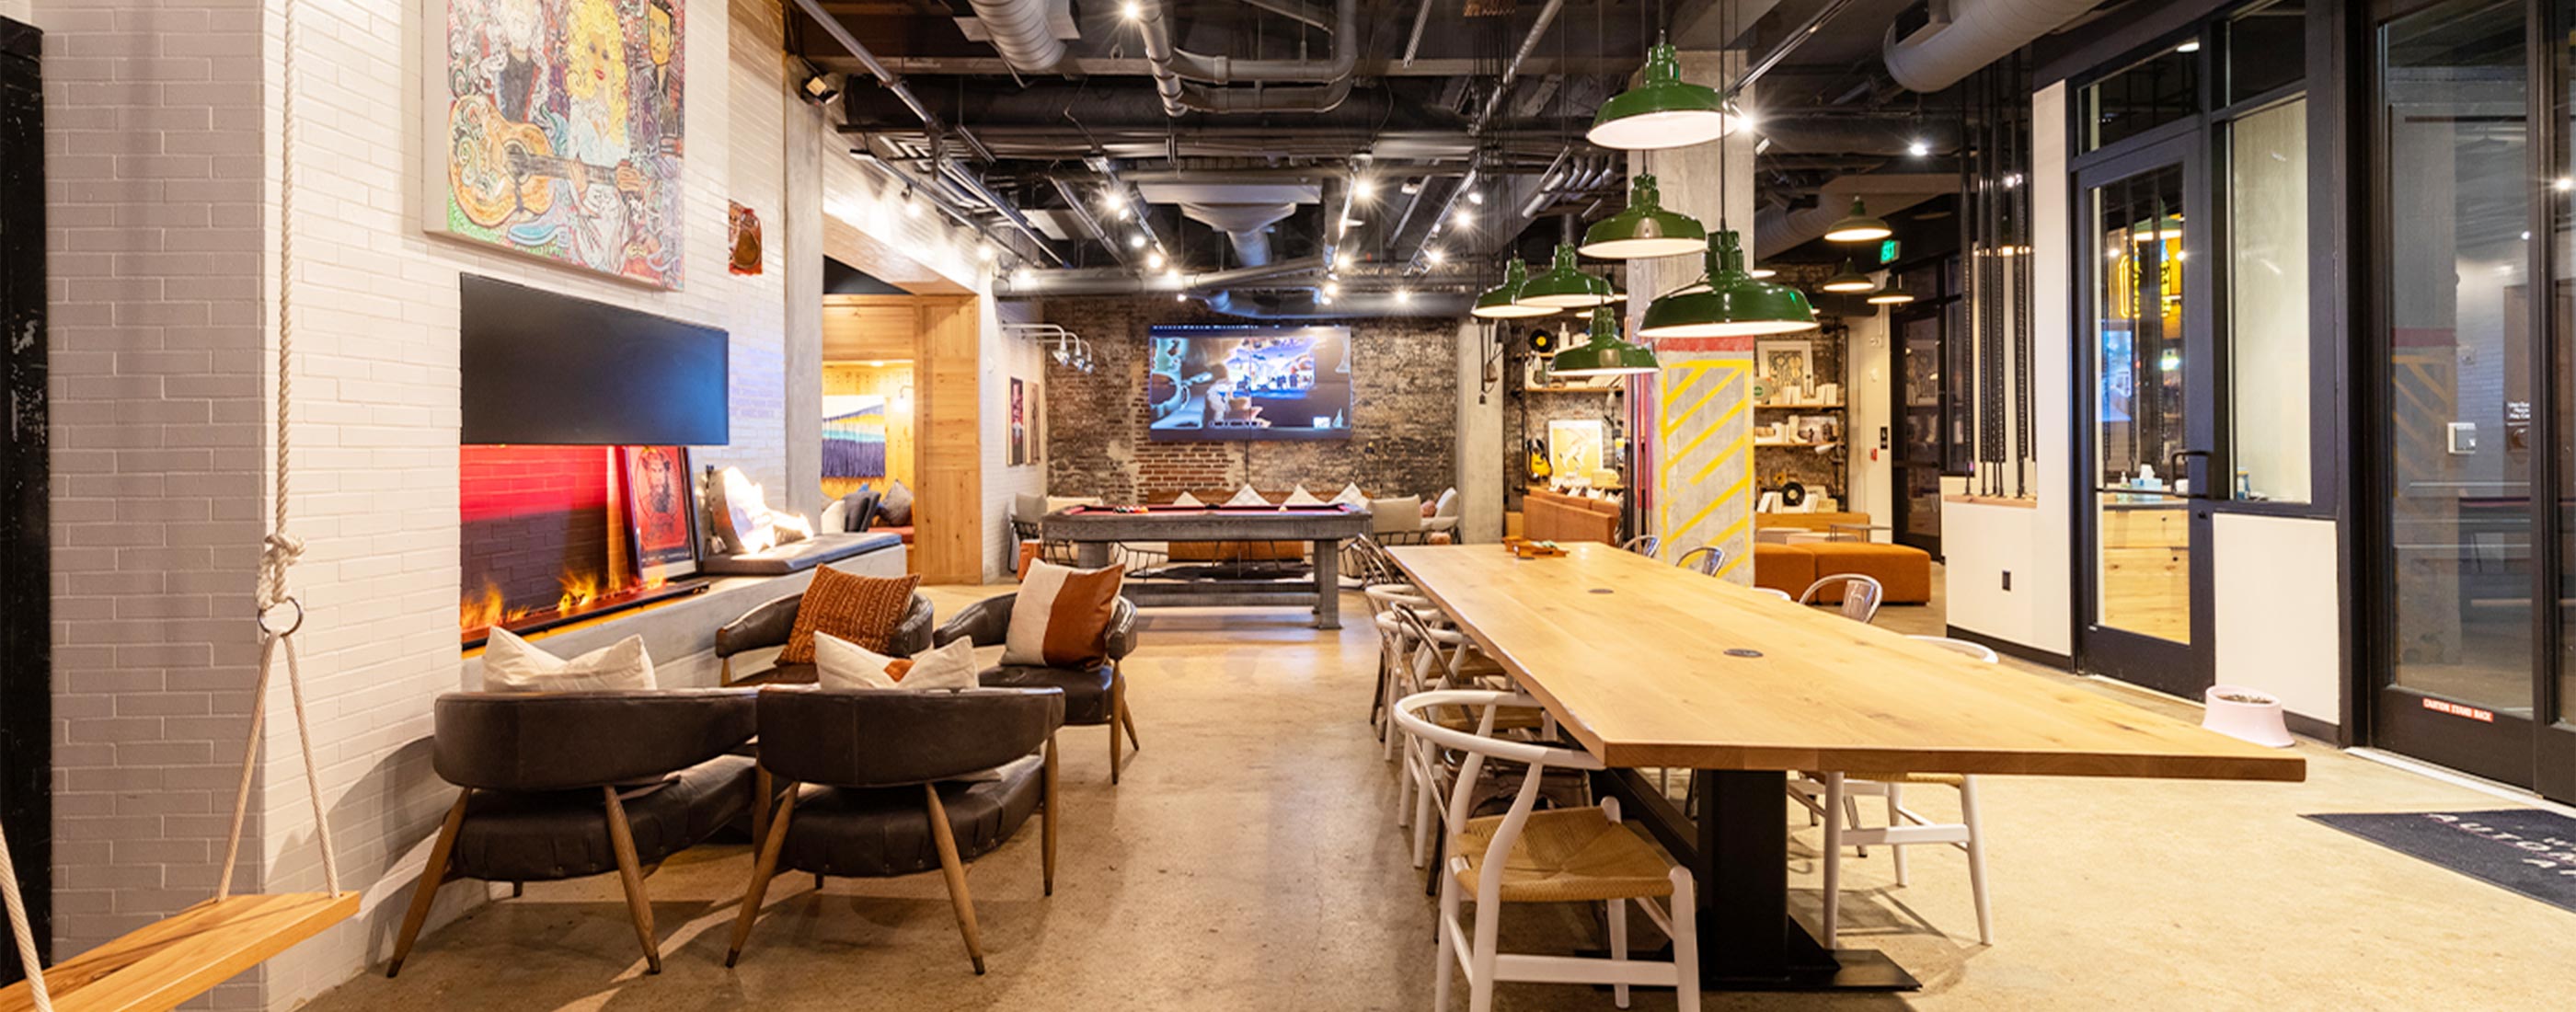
538	367
1229	383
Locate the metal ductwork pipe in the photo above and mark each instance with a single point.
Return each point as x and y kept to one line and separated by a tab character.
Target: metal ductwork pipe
1170	65
1349	305
1979	32
1019	31
1246	225
1120	281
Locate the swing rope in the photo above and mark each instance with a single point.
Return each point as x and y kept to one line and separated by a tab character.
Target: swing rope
280	615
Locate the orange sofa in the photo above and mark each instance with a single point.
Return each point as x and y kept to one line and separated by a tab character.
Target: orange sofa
1547	516
1903	571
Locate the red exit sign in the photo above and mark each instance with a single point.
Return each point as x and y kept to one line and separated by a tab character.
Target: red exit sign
2459	710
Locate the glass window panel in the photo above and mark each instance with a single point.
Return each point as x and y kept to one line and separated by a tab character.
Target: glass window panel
2267	289
2266	49
2143	575
2562	195
2155	91
2455	125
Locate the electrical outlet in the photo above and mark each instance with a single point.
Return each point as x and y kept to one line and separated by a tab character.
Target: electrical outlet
2007	580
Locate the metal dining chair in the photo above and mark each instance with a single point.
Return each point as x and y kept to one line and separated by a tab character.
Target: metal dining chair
1643	544
1861	594
1707	559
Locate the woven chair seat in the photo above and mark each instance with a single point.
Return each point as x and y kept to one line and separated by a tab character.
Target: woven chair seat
1510	718
1942	779
1566	855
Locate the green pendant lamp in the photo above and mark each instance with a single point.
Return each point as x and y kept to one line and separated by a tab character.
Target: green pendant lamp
1728	302
1848	280
1663	111
1565	287
1858	226
1645	229
1604	354
1496	302
1892	295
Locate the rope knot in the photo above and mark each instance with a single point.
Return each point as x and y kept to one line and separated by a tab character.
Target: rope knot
282	549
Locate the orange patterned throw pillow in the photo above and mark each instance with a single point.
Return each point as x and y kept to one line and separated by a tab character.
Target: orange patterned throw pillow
1061	615
861	609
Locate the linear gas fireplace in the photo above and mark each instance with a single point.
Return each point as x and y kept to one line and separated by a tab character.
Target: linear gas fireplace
552	535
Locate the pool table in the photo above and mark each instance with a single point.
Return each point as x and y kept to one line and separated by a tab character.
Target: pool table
1093	529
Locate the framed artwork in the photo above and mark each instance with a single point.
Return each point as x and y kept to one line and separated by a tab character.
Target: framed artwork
854	436
661	513
554	131
1019	422
1574	448
742	239
1786	365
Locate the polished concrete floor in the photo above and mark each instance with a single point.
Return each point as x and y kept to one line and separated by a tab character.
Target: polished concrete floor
1249	863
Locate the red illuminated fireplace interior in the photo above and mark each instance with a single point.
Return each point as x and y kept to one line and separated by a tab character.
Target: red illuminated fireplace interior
543	538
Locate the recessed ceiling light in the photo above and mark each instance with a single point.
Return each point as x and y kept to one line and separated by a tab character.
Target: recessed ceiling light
1465	218
1136	241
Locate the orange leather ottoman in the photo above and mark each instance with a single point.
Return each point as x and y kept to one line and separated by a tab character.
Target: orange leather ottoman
1784	568
1903	571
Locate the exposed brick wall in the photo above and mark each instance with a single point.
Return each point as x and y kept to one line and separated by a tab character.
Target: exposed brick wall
1404	372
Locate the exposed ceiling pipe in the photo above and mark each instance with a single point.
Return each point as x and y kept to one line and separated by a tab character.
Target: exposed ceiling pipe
1413	43
1347	306
1019	31
1512	70
1797	37
1222	69
1082	215
1245	225
1979	33
1120	281
1294	10
1170	64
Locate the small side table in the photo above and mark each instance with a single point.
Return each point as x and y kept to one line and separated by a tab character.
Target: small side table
1863	530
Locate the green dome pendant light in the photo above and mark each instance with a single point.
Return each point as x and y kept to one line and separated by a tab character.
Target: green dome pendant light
1848	280
1565	287
1858	226
1604	354
1663	111
1497	302
1893	294
1728	302
1645	229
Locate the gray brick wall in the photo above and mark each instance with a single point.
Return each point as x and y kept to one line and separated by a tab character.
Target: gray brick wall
1404	422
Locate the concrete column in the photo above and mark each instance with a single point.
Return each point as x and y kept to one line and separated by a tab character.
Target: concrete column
801	237
1699	486
1480	440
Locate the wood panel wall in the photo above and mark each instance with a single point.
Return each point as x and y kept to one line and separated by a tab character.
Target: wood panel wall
894	382
941	336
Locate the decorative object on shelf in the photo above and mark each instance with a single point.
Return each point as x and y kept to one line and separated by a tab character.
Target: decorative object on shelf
1785	366
742	239
1858	226
586	172
1847	280
1728	302
1543	342
1575	447
1792	494
1566	286
1499	302
661	515
1662	111
1644	229
1604	353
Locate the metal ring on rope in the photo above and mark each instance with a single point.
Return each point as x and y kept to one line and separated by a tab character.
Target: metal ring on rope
266	613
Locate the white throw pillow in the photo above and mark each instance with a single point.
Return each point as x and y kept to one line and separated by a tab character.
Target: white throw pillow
841	664
1389	516
1186	499
511	664
1245	496
1300	497
1447	503
1352	496
836	517
1028	507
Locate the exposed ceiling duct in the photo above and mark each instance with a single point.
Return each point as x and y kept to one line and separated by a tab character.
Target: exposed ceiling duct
1308	305
1170	64
1120	281
1023	31
1779	232
1978	33
1245	225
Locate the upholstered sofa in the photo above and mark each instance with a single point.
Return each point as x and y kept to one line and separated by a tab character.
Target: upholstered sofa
1549	516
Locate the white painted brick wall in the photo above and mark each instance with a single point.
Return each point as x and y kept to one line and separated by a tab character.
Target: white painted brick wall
161	156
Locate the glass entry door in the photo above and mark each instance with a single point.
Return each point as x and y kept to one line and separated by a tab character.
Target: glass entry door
1922	447
2148	423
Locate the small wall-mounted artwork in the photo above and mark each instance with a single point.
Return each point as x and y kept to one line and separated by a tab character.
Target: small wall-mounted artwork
1574	448
1787	367
554	131
854	436
742	237
1019	422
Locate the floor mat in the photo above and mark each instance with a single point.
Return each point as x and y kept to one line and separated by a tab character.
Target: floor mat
2527	850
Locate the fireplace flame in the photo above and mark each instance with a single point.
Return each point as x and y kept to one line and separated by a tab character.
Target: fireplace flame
480	611
578	589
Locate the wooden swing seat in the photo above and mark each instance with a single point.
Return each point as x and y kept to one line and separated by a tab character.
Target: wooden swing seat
162	964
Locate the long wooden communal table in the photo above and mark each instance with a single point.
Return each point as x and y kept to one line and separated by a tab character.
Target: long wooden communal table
1647	665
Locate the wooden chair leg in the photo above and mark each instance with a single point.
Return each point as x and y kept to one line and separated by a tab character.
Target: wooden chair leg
518	889
760	871
430	877
763	795
1126	716
955	871
630	873
1117	747
1046	814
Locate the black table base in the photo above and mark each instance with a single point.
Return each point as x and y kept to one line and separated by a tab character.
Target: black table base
1738	853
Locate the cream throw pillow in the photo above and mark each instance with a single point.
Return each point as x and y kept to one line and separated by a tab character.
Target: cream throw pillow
1245	496
511	664
1352	496
1300	497
841	664
1186	499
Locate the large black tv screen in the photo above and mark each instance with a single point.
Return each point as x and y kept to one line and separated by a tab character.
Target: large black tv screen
1229	383
543	368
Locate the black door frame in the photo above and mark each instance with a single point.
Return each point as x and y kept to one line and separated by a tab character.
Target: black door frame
26	587
1900	492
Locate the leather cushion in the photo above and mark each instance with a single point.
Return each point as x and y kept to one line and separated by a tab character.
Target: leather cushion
541	837
1086	690
873	832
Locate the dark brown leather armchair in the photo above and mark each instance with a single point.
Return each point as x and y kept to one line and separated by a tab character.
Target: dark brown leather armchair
571	784
770	624
1092	696
874	789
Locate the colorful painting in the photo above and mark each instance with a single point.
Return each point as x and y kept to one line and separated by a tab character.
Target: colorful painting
555	132
1019	423
854	436
1574	448
661	512
742	236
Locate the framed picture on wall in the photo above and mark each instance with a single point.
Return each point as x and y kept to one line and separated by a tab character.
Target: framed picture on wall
1574	449
1019	422
1787	365
661	513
